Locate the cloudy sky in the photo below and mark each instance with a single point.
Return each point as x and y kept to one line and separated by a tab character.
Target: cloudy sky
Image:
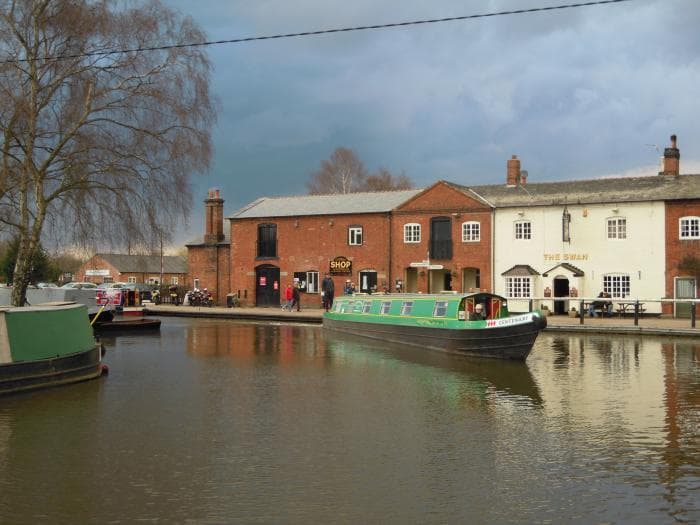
575	93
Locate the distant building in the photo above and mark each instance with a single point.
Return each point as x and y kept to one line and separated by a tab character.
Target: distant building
148	269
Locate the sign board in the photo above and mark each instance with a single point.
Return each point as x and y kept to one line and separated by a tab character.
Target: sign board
340	266
97	273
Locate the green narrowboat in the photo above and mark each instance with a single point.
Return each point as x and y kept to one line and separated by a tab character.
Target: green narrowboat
444	321
47	345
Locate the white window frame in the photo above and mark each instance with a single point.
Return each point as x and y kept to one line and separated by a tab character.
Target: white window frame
689	228
195	283
355	235
523	230
519	287
471	231
174	280
411	233
312	285
406	307
440	309
618	285
616	228
131	279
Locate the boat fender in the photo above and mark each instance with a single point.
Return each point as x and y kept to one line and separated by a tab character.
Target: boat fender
104	370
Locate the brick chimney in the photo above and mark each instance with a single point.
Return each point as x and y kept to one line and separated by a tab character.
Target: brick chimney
672	159
513	172
214	218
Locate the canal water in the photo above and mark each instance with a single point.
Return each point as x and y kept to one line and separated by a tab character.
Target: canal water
228	422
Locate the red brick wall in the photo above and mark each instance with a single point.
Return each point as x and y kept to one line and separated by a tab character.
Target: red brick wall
677	249
309	243
96	263
210	264
444	201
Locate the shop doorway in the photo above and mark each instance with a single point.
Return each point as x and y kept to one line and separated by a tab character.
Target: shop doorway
411	284
561	289
368	281
267	286
471	279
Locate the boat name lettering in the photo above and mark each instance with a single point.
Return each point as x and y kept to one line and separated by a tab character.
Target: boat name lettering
509	321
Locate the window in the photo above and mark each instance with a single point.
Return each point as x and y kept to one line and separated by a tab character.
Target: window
386	306
471	231
107	280
523	230
617	228
689	228
366	306
440	309
406	307
411	233
355	235
518	286
195	283
617	285
267	240
312	282
174	280
131	279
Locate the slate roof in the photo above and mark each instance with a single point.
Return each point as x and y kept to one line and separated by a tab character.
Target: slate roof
577	272
591	191
520	270
337	204
145	263
199	241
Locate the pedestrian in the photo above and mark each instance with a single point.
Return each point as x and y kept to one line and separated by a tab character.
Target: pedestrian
288	294
327	291
296	298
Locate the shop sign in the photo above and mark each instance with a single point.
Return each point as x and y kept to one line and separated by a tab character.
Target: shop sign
97	273
263	280
341	266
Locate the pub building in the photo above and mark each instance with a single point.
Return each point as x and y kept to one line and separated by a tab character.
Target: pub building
634	237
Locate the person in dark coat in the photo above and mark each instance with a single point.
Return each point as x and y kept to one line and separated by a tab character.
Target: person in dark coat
296	298
328	291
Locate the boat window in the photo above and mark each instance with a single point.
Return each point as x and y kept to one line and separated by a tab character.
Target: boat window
357	307
366	307
338	306
440	309
386	306
406	307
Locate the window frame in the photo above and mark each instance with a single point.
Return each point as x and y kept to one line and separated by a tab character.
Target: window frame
385	308
692	229
312	282
468	232
440	308
621	289
406	308
519	287
353	232
525	234
616	228
412	233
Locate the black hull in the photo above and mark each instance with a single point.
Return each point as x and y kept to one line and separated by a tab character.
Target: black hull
44	373
508	342
134	325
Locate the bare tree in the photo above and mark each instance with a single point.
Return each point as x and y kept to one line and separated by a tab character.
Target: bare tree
98	142
383	180
342	173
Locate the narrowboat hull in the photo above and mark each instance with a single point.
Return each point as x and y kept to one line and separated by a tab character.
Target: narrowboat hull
508	342
131	325
45	346
445	321
45	373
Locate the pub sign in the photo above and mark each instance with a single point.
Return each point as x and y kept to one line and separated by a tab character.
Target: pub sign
341	266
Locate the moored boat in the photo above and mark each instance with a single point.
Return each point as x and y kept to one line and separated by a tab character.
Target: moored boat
47	345
443	321
127	325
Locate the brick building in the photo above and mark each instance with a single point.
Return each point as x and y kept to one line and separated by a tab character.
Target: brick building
209	258
634	237
148	269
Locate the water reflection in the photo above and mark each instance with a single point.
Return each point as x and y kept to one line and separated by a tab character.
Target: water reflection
219	422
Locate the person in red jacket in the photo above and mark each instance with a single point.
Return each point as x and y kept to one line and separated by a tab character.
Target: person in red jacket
288	294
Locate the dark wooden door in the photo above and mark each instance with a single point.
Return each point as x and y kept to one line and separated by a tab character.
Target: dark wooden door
441	238
267	286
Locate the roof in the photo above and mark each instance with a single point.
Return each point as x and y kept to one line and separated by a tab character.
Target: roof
577	272
336	204
591	191
199	241
520	270
145	263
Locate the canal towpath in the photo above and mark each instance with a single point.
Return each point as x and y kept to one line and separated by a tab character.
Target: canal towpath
647	325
